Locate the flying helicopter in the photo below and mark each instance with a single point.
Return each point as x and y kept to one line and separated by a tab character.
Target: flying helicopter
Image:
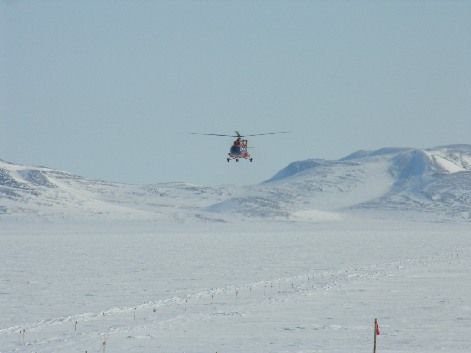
239	148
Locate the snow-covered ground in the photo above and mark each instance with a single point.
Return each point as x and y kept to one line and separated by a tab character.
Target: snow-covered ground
303	262
241	287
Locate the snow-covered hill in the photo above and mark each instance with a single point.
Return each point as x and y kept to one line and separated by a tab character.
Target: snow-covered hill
28	192
434	182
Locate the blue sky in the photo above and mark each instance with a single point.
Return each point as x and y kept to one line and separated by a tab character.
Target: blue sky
111	89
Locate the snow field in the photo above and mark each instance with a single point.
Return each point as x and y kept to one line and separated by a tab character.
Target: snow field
292	288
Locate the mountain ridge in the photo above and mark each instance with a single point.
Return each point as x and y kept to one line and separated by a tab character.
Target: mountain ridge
434	181
388	179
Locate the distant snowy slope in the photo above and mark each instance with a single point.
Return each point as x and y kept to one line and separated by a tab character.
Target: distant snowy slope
307	187
452	159
33	192
434	181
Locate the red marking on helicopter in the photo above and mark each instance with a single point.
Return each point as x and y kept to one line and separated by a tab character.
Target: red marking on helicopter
239	148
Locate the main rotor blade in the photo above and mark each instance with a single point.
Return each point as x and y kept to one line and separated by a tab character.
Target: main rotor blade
198	133
269	133
239	135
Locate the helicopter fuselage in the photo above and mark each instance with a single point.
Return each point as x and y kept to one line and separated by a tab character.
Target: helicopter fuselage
239	150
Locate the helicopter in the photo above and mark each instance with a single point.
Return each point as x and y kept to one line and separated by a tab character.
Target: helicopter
239	148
